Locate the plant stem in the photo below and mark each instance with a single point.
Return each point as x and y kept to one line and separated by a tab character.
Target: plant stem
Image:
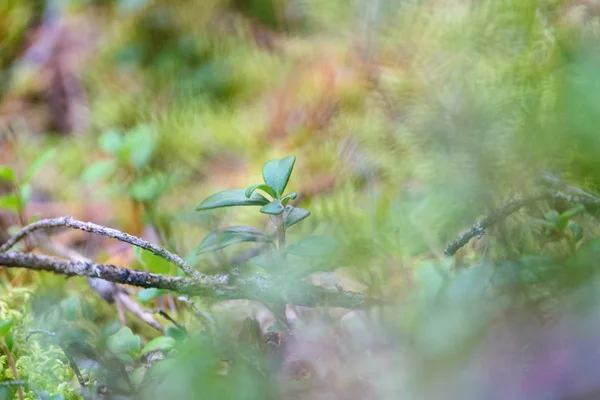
12	365
280	232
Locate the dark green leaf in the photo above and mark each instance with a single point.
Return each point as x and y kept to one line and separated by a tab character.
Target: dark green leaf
313	246
276	173
37	164
176	333
230	198
164	343
7	173
232	235
295	215
99	170
5	326
273	208
260	186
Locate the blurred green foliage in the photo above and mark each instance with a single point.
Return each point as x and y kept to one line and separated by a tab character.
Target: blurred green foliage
412	120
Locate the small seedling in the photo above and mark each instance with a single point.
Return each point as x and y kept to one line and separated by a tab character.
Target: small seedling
272	201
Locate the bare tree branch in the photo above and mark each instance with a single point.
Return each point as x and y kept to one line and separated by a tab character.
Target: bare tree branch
104	231
217	286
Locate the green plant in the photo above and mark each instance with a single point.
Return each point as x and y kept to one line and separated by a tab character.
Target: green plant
16	200
272	201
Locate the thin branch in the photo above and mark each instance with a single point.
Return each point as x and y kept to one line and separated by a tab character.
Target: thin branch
591	204
217	286
70	222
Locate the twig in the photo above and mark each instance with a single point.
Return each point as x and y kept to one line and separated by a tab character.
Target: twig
104	231
109	291
217	286
164	314
590	202
201	313
12	366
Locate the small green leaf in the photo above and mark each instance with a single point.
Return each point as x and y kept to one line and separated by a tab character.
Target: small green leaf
99	170
10	202
290	196
313	246
111	142
576	230
573	211
148	189
273	208
141	141
276	173
137	376
7	173
230	198
37	164
552	216
260	186
176	333
5	326
149	294
164	343
232	235
294	215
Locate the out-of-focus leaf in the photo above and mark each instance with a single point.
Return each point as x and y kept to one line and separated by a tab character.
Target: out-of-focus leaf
4	392
10	202
148	189
5	326
37	164
25	193
141	141
111	142
176	333
313	246
230	198
273	208
232	235
552	216
563	219
99	170
164	343
276	173
124	344
260	186
151	262
137	376
148	294
295	215
7	173
576	230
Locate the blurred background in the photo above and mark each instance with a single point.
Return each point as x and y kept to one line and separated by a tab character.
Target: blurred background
409	119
